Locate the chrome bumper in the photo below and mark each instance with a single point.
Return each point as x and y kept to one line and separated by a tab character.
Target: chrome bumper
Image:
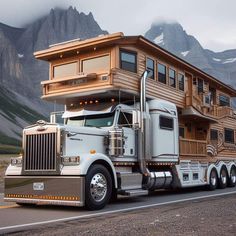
50	190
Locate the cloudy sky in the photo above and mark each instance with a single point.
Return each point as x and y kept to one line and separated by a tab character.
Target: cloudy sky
212	22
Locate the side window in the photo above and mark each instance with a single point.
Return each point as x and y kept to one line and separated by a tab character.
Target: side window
229	135
181	81
214	135
172	78
166	123
150	68
128	61
224	100
125	119
161	73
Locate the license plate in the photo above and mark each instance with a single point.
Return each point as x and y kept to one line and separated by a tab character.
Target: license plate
38	186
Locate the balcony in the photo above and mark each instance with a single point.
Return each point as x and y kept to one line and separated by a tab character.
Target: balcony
192	148
207	110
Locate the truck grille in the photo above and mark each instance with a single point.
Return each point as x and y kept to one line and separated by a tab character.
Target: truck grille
40	152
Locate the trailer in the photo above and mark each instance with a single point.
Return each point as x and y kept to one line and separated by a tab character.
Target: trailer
137	119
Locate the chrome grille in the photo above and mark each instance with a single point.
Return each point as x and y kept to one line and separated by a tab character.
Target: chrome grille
40	152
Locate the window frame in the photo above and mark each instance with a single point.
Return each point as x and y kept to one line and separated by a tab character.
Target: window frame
229	141
62	64
171	78
165	127
223	95
93	57
158	78
214	137
180	88
153	70
134	53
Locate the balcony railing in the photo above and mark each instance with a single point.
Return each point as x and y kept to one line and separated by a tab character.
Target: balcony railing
192	147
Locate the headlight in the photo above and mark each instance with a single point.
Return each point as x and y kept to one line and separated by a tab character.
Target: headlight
16	161
70	160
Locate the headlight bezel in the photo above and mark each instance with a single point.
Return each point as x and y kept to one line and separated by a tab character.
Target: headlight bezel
70	160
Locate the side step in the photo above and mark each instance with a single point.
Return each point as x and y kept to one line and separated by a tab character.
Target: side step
133	192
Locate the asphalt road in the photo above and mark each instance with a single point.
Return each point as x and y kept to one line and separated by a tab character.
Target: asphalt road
14	218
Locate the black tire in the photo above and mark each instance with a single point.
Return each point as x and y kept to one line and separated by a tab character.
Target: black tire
98	187
213	180
223	178
232	177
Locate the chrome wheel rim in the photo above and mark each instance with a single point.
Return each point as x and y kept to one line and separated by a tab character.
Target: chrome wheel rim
213	180
233	176
98	187
223	179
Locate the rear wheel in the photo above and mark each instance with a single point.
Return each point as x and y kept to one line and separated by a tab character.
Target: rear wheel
223	179
232	177
213	180
98	187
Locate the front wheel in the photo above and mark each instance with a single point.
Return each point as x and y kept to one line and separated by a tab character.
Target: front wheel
98	187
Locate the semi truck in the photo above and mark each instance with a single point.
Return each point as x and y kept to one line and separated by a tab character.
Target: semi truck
111	145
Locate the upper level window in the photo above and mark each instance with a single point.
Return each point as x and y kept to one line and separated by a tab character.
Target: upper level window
161	73
200	86
96	64
229	135
224	100
181	132
166	123
181	81
172	78
128	61
150	68
65	70
214	134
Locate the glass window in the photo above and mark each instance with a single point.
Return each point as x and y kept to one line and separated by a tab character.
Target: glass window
101	120
181	81
172	78
162	73
166	123
65	70
150	68
125	119
224	100
181	132
97	64
128	61
229	135
214	134
200	86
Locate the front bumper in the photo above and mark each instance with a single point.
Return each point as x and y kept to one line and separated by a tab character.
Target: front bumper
50	190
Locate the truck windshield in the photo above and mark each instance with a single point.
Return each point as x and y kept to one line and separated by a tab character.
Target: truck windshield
101	120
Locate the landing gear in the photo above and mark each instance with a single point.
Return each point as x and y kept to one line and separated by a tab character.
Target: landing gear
98	187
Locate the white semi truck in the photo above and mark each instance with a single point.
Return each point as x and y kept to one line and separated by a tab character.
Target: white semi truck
104	150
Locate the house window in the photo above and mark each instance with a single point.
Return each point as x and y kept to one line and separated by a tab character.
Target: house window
181	81
65	70
96	64
214	135
172	78
166	123
229	135
181	132
128	61
224	100
200	86
150	68
162	73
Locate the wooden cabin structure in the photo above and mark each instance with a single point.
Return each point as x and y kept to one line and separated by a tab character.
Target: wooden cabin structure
109	67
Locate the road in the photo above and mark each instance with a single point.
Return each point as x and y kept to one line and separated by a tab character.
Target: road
15	218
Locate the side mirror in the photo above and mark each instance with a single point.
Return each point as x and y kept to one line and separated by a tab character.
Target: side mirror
136	119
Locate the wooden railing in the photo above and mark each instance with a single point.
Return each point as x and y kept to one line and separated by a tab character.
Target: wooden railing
192	147
74	84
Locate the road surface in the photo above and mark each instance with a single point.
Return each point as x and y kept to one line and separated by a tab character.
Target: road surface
15	218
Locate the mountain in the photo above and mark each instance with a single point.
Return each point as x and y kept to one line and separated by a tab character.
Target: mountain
21	74
173	38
